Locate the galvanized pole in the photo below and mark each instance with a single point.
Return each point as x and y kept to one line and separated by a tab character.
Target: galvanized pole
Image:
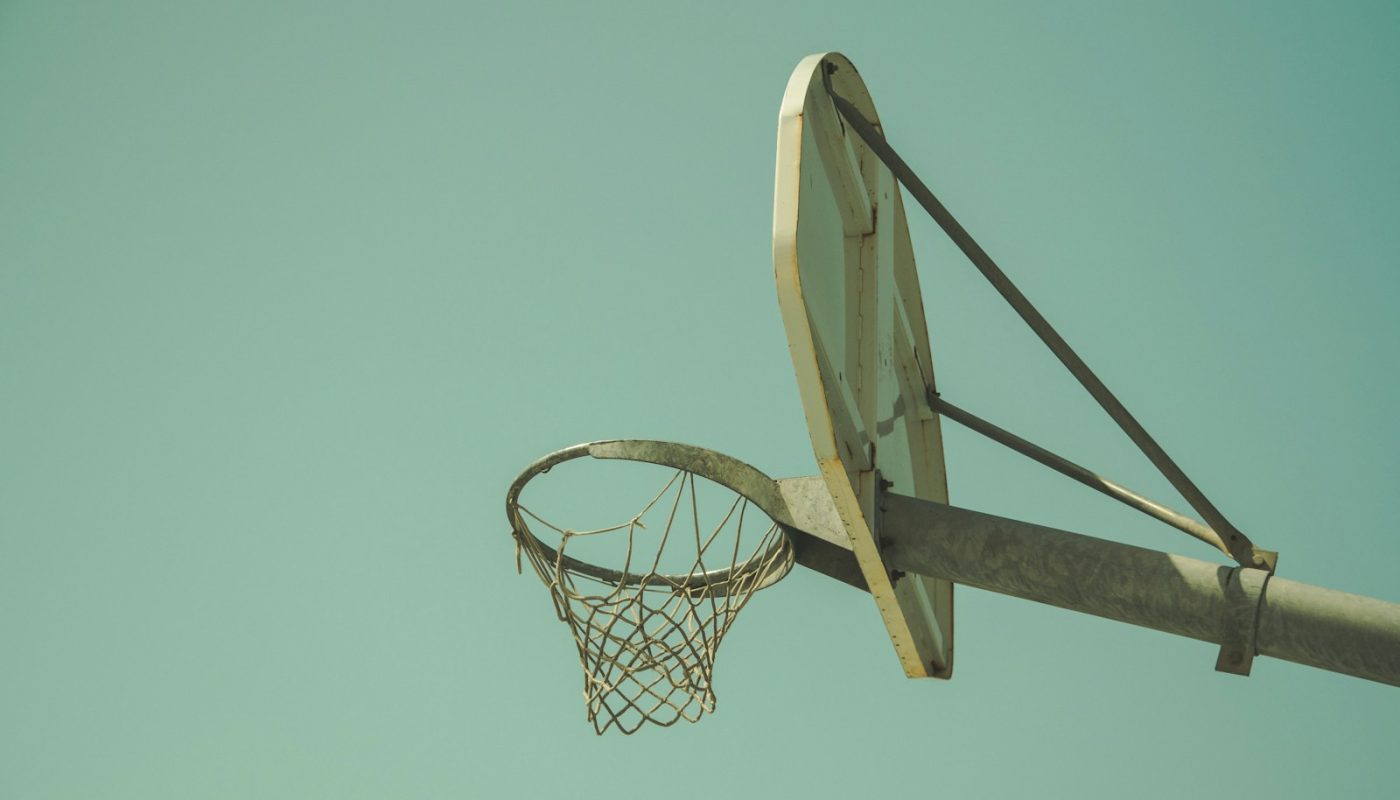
1245	610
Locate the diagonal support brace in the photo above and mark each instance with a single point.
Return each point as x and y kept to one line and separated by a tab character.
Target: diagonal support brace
1237	544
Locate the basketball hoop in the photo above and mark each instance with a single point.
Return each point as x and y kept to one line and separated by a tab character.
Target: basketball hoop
647	638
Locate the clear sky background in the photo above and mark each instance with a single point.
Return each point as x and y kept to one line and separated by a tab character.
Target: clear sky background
290	292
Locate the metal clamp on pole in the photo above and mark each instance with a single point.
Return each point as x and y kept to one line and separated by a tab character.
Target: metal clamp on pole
1239	623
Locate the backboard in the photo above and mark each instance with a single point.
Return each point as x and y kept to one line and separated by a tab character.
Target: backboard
855	325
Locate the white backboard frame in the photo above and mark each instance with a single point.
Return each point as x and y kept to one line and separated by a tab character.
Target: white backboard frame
854	318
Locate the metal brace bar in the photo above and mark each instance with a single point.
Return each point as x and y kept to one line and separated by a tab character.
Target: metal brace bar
1239	545
1085	476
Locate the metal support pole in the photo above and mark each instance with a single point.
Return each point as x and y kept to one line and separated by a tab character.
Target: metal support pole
1245	610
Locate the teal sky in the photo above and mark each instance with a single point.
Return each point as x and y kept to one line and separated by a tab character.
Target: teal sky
290	292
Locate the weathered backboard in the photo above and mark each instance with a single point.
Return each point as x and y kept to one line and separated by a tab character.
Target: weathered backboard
855	325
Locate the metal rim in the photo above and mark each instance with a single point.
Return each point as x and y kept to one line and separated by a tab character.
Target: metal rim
731	473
